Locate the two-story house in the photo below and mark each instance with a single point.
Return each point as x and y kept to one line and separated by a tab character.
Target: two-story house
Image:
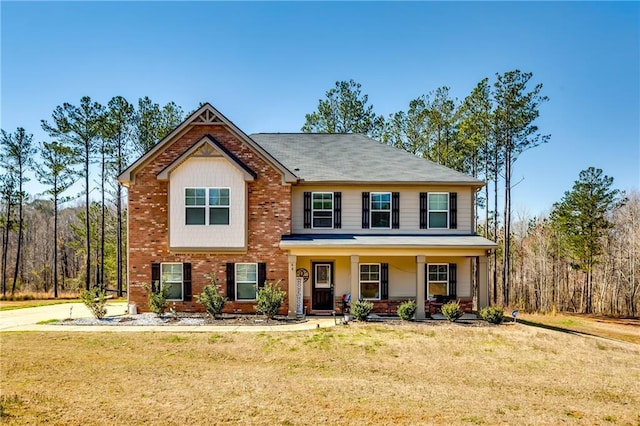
324	214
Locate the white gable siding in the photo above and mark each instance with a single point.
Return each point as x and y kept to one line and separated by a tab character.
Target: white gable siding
207	173
409	209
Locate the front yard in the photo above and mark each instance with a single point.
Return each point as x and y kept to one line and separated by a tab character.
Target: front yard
349	375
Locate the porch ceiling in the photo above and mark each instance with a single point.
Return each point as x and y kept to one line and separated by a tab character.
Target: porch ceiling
390	245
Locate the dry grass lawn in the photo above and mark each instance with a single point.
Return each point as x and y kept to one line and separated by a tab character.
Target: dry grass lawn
348	375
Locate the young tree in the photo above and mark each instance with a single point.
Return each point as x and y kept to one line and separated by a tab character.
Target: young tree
582	216
57	174
16	152
344	110
441	129
516	109
119	130
79	127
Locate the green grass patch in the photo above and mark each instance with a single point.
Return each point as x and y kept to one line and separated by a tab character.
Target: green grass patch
49	321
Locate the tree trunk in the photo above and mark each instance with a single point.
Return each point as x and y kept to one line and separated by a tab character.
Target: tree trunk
87	219
506	258
55	239
5	246
19	247
102	178
119	241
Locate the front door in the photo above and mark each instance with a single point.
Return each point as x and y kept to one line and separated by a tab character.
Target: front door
322	294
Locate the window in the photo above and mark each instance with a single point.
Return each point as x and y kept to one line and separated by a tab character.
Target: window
437	279
206	206
246	281
370	281
438	210
381	210
171	280
322	212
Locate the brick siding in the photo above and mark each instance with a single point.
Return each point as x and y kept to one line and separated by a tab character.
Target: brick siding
269	217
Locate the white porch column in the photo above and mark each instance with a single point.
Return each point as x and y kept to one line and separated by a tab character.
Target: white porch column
483	282
291	294
420	287
355	275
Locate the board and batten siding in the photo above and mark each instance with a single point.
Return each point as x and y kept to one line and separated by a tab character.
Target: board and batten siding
207	173
409	209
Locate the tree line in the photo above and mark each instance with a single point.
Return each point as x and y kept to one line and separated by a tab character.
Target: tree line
582	257
43	237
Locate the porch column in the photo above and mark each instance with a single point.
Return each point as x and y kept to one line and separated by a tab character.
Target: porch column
355	275
291	294
420	287
483	282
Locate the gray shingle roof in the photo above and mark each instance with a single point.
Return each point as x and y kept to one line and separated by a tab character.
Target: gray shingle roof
389	241
323	157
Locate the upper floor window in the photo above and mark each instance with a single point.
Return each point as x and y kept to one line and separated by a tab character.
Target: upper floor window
438	210
381	210
206	206
322	211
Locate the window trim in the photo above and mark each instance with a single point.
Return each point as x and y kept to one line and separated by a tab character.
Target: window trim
446	282
371	210
207	206
181	280
313	210
255	283
429	210
360	281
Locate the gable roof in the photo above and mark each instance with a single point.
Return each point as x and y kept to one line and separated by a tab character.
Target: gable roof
205	115
208	146
354	158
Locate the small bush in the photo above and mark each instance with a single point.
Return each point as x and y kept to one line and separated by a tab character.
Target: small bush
360	309
269	299
452	311
96	300
492	314
407	310
157	300
211	299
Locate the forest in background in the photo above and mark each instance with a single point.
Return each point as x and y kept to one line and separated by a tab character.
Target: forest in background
581	258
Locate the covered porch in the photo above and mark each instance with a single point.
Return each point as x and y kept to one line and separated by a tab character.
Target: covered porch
386	270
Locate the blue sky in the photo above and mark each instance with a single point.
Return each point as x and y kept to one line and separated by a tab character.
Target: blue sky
265	65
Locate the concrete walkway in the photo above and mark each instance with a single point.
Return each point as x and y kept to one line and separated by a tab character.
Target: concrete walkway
27	319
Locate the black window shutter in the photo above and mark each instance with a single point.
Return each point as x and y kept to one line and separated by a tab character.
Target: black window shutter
186	281
452	279
307	210
453	210
231	281
337	210
384	281
365	210
155	277
423	210
395	210
262	274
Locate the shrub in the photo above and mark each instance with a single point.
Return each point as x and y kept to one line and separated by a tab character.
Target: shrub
360	309
269	299
492	314
211	299
452	311
157	300
96	300
407	310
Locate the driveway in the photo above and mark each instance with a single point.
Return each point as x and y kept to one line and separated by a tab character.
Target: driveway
25	318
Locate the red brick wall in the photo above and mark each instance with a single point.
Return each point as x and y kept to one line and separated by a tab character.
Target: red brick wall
269	217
